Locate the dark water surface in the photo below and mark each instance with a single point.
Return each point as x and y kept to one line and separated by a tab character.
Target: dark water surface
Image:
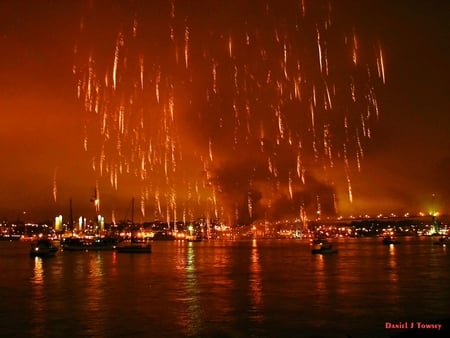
264	288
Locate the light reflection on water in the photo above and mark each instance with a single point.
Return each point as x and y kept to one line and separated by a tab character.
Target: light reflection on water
38	300
255	285
393	273
95	306
191	319
230	289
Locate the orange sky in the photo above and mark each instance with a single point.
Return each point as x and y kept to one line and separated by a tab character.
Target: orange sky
41	119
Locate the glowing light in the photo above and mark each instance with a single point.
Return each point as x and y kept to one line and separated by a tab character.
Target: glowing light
181	102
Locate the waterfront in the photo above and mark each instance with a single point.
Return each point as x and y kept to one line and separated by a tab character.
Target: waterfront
263	288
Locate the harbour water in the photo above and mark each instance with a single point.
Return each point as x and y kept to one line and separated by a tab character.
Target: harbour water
254	288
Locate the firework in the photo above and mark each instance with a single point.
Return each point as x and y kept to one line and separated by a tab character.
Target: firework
224	115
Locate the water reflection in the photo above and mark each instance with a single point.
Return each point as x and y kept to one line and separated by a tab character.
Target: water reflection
191	286
218	269
255	284
38	298
95	294
233	289
320	272
392	265
191	317
393	278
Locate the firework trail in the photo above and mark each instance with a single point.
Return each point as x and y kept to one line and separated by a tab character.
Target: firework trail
223	115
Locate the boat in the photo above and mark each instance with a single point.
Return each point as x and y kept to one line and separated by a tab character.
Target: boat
43	248
72	244
163	236
443	241
136	244
103	244
83	244
388	240
8	237
134	247
319	241
323	247
193	238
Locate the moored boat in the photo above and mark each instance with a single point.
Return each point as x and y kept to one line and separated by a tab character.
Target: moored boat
388	240
103	244
323	247
163	236
136	244
193	238
8	237
443	241
43	248
82	244
72	244
134	248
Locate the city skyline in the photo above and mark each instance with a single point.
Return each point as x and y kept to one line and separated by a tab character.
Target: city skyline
51	144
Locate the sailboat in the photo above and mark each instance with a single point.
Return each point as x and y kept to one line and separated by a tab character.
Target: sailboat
134	246
443	241
87	243
388	240
322	246
43	247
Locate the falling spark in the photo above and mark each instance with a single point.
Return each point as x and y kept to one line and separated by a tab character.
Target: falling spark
380	64
141	62
55	186
119	43
182	103
210	151
250	205
186	47
290	186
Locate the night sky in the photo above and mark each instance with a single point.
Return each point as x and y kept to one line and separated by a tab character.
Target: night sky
238	111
